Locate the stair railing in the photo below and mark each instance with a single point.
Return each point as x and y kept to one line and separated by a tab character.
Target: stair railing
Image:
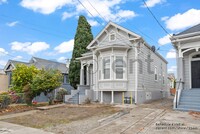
178	93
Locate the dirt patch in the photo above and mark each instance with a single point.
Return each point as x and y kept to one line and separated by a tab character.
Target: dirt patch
16	109
62	115
195	114
165	103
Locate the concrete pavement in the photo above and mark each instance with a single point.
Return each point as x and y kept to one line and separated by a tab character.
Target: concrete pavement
9	128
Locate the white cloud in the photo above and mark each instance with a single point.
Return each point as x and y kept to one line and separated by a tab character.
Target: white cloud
164	40
172	69
3	1
165	18
171	54
3	63
184	20
18	58
93	22
28	47
12	24
65	47
152	3
109	9
66	15
44	6
61	59
3	52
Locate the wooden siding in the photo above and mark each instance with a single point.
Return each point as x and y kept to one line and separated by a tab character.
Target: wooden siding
147	81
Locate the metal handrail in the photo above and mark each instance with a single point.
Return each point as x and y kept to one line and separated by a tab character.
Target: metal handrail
177	92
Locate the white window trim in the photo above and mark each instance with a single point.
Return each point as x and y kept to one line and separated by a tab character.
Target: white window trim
163	78
110	36
102	67
155	73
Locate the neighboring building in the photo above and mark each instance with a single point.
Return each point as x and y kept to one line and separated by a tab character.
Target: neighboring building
3	81
121	64
40	63
187	45
172	80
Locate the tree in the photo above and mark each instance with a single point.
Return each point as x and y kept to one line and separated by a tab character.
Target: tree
22	75
46	81
32	81
82	39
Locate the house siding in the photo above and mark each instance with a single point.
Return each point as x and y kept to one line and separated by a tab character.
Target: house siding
148	87
131	70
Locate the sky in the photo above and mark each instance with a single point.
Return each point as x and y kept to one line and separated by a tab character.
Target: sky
46	28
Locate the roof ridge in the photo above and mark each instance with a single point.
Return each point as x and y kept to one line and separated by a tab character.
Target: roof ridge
48	60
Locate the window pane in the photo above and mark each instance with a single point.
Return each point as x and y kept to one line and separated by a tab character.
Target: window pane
106	68
119	67
106	73
119	73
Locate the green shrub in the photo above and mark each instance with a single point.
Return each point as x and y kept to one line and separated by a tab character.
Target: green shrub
60	94
5	99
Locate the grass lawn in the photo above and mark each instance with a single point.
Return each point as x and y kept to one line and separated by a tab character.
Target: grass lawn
63	115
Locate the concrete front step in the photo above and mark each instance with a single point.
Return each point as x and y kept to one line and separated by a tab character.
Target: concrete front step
190	103
190	94
190	98
189	107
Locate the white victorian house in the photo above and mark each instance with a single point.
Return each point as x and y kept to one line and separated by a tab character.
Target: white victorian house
187	45
121	67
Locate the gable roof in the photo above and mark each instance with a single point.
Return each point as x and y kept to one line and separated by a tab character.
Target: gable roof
48	64
193	29
115	25
40	63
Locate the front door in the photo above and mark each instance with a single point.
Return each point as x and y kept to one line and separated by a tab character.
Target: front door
195	68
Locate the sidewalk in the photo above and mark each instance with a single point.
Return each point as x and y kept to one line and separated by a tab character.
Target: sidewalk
9	128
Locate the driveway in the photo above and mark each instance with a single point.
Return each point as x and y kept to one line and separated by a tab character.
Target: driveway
153	118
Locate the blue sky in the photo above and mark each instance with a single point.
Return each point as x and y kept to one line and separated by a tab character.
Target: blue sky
46	28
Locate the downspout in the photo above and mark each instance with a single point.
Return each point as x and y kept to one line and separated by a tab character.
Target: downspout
136	74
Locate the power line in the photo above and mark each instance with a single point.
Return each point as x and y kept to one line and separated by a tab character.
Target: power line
156	19
97	11
89	11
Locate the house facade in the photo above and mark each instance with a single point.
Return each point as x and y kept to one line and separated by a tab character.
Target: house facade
187	45
39	63
121	65
3	81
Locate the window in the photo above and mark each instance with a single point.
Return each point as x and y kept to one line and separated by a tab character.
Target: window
112	37
106	68
119	67
10	79
155	74
163	78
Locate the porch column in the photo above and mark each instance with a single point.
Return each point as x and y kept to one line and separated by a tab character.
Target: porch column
180	71
101	96
82	75
88	76
112	97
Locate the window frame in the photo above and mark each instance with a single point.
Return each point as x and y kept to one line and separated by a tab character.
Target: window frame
155	73
103	71
123	68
